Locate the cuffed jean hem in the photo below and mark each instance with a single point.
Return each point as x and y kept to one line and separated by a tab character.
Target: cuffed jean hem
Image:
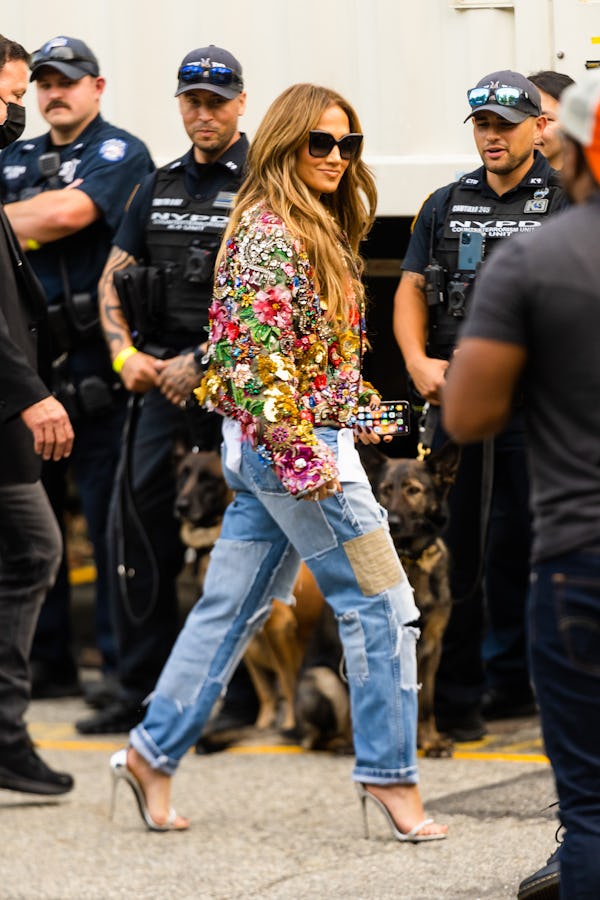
141	741
364	775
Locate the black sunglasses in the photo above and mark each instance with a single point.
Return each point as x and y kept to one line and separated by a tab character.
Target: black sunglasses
321	143
67	54
219	75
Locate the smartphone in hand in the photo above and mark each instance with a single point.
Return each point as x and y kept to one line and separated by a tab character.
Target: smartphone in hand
391	417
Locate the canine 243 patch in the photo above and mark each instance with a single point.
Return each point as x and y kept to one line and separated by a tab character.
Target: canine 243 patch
113	149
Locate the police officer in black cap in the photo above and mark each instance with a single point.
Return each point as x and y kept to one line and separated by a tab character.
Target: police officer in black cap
514	191
155	295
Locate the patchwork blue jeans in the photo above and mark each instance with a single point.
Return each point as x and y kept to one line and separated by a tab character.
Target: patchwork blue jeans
564	633
346	543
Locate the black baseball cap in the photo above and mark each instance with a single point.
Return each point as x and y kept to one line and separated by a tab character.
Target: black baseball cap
528	103
69	56
210	69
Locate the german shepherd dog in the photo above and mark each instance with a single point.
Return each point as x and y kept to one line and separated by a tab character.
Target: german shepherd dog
415	493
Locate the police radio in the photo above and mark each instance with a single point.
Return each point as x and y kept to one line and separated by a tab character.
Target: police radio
435	275
48	165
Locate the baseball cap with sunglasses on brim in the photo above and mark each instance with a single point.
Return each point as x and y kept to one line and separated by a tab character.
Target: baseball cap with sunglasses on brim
69	56
508	94
210	69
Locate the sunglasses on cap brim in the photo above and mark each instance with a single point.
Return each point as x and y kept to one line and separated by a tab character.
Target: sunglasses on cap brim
66	54
217	75
321	143
504	96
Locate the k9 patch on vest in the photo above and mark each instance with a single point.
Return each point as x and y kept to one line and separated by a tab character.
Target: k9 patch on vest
536	206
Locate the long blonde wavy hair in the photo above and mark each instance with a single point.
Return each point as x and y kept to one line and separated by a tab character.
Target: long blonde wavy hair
338	220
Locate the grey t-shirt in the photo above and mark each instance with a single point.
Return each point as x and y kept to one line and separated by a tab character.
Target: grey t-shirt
542	291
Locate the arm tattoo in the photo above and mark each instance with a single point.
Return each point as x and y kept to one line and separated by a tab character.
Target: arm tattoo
181	374
416	280
114	325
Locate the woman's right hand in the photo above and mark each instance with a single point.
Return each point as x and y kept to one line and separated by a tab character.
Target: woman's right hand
324	491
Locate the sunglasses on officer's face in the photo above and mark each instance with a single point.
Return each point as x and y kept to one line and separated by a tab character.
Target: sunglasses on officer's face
505	96
321	143
220	75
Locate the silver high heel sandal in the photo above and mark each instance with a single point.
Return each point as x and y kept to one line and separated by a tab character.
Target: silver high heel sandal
412	836
120	772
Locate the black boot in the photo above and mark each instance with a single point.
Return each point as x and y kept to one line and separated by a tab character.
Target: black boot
543	884
21	769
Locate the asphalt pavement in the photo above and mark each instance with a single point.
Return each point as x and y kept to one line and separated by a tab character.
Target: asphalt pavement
270	821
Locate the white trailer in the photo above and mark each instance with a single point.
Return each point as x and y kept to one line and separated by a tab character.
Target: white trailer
404	64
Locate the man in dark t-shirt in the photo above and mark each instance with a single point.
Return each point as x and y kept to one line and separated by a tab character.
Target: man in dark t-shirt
534	326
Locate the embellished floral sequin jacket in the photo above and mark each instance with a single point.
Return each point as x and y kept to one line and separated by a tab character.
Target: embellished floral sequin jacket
277	365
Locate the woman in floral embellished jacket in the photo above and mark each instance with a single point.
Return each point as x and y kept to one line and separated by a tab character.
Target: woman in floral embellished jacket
284	368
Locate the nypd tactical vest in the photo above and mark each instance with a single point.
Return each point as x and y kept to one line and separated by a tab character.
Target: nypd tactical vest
482	221
183	236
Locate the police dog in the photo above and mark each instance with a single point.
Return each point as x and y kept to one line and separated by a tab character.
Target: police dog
274	656
322	702
415	492
202	495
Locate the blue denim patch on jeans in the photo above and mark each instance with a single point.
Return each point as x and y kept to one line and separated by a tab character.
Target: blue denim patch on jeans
564	623
345	541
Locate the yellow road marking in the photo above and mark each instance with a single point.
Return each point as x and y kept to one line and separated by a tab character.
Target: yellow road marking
538	758
57	737
85	746
287	748
534	743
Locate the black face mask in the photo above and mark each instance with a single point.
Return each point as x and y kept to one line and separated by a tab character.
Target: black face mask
14	125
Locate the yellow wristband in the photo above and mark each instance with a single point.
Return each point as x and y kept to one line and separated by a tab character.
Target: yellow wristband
30	244
122	357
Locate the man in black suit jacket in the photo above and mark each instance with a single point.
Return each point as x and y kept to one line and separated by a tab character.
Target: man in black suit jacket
33	426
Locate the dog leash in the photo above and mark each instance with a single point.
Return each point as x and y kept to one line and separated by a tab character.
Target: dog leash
126	511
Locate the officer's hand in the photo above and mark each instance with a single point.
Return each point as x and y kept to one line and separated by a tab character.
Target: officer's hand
178	378
428	375
140	372
51	428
